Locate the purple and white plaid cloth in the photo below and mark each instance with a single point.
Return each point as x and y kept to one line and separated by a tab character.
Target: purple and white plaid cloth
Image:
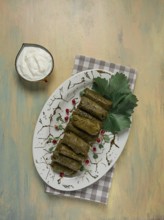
99	191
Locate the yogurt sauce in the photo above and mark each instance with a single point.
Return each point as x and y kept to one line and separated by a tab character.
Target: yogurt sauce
34	63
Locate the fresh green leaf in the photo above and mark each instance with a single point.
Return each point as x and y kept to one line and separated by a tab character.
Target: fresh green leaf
116	122
118	83
114	89
126	106
117	98
117	90
100	85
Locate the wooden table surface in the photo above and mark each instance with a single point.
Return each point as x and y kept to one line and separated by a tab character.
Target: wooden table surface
129	32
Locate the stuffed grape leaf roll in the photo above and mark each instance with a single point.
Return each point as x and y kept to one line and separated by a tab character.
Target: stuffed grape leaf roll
86	137
86	115
58	168
77	144
92	108
89	126
81	131
66	161
66	151
94	96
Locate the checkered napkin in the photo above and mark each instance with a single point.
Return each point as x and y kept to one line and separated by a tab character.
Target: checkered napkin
99	191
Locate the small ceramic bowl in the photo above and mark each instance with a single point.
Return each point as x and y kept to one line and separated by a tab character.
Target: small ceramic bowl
34	62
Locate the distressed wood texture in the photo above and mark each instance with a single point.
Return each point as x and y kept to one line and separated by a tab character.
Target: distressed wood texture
129	32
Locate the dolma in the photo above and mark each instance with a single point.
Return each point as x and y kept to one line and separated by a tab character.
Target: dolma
89	126
66	151
94	96
86	137
58	168
92	108
66	161
82	130
86	115
77	144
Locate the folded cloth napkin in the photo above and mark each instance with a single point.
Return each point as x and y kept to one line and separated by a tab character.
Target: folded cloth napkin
99	191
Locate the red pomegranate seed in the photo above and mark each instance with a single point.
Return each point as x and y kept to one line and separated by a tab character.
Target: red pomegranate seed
73	101
87	161
98	140
54	141
66	118
67	111
102	131
94	149
61	174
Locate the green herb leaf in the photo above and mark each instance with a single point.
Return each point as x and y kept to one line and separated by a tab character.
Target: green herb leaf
100	85
117	98
118	84
126	106
116	122
117	90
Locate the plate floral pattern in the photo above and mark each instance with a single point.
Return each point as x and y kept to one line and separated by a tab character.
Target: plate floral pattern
49	130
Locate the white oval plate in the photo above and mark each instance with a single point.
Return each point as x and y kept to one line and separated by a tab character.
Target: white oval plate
102	155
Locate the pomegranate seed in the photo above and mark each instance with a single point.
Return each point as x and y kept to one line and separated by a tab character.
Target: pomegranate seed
66	118
54	141
61	174
98	140
73	101
102	131
87	161
94	149
67	111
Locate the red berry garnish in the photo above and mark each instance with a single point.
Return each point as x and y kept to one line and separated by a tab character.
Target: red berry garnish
67	111
87	161
98	140
94	149
66	118
102	131
54	141
61	174
73	101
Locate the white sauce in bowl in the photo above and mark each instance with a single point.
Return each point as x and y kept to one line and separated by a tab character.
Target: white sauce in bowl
34	63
